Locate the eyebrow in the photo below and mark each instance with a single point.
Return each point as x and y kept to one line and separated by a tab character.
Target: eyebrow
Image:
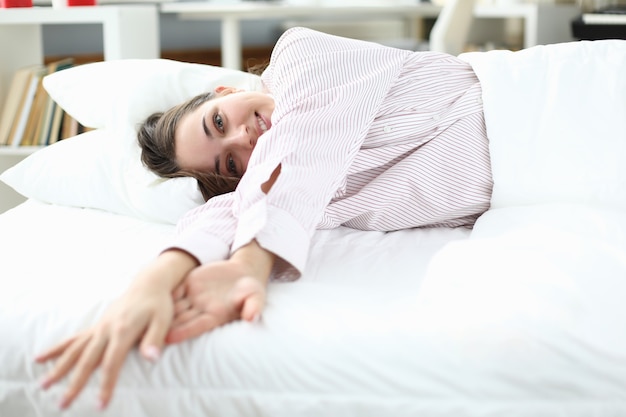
208	133
204	126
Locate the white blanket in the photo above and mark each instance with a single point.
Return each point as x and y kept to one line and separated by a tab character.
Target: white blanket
537	291
556	122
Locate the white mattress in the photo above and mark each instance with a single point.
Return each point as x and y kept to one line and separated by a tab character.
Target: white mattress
371	329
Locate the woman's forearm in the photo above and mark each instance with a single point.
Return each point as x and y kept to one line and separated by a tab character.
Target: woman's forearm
171	267
168	269
259	260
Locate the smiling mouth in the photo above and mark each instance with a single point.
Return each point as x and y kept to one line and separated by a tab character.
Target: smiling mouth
262	124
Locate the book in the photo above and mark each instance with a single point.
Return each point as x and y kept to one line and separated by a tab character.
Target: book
55	126
10	109
46	123
25	106
34	117
69	126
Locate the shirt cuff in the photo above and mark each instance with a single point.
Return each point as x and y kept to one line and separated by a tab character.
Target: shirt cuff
202	245
275	230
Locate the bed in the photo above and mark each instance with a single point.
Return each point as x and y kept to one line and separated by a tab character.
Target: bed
521	316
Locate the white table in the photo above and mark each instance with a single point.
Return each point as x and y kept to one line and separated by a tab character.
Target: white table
543	23
231	16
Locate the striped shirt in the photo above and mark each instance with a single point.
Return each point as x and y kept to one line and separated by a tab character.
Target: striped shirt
367	136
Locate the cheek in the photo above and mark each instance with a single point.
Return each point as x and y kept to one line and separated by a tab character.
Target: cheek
200	157
189	154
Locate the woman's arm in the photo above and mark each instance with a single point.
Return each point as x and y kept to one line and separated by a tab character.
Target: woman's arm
218	293
142	315
327	91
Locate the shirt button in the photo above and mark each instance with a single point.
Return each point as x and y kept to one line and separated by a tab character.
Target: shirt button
387	129
436	117
479	100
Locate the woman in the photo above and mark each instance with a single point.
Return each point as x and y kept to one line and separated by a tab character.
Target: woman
347	133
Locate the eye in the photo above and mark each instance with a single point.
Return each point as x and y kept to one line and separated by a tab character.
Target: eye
230	165
218	122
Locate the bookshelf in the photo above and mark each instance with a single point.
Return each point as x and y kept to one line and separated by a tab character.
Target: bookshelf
119	24
129	31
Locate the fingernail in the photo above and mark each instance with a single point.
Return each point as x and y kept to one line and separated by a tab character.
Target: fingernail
44	382
63	403
152	353
256	318
101	405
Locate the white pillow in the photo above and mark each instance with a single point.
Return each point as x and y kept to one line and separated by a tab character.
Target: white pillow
105	94
91	170
102	169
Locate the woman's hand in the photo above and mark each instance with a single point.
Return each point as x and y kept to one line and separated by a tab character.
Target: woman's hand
218	293
144	314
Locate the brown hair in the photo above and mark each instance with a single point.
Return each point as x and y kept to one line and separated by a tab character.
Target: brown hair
158	151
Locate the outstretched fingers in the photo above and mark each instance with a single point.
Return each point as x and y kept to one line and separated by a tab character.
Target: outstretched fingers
87	363
69	354
114	357
153	339
55	351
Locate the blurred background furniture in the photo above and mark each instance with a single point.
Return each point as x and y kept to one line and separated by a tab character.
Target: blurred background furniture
604	23
22	44
231	16
449	33
541	23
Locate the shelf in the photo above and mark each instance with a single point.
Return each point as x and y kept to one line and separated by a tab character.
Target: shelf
119	27
67	15
129	32
18	151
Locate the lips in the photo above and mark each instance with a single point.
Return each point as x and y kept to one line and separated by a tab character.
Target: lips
262	123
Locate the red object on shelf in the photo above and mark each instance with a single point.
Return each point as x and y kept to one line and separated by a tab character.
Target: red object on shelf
15	3
80	2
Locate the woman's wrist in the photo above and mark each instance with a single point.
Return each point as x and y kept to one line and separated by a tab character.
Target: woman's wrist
168	269
255	259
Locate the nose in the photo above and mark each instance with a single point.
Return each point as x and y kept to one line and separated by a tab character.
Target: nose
242	137
240	142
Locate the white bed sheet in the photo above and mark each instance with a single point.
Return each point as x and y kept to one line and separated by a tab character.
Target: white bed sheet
336	342
430	322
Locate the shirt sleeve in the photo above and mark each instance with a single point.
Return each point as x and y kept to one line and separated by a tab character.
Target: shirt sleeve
206	231
327	90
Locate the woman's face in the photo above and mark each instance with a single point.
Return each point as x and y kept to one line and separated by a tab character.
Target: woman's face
220	134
